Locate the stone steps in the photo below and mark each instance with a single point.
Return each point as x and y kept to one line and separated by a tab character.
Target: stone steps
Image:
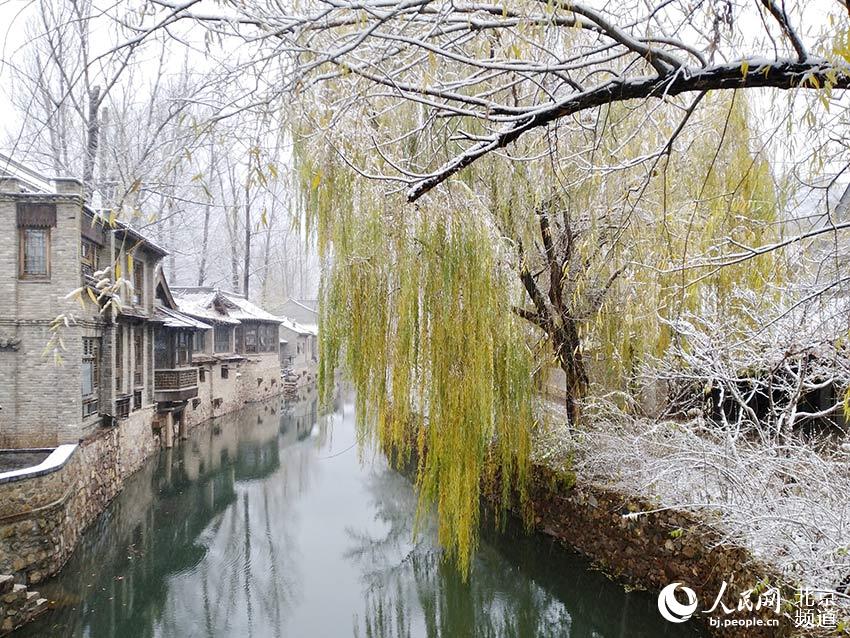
18	605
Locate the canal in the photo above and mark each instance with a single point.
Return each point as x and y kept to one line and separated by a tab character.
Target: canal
267	523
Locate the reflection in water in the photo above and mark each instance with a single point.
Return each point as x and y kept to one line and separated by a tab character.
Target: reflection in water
519	586
266	523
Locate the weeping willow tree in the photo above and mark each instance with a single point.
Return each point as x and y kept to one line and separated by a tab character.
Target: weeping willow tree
446	314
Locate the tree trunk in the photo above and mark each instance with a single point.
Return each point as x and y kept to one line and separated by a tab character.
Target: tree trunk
92	139
567	346
246	269
202	270
266	256
234	252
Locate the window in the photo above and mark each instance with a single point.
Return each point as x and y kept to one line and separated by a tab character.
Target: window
183	350
138	357
161	353
119	358
251	338
222	338
34	221
199	341
240	339
35	252
225	372
88	256
138	283
271	338
202	374
90	377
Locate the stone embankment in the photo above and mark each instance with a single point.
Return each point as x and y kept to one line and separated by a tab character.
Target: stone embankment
18	605
647	547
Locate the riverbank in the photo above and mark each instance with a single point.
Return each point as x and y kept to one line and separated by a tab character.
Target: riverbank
270	523
44	512
655	503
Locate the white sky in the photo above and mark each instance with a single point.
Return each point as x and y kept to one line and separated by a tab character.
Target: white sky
15	14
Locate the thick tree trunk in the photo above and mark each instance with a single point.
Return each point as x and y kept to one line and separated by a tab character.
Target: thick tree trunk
555	312
92	139
567	346
202	269
246	269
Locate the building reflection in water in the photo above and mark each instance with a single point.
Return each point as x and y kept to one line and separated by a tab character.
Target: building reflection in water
269	523
200	533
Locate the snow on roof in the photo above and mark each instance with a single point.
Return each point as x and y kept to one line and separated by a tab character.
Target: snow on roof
32	180
175	319
212	304
308	304
200	305
300	328
248	310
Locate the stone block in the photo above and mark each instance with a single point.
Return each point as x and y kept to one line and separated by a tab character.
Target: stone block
7	581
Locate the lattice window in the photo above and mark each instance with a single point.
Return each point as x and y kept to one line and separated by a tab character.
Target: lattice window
222	338
35	252
199	341
138	357
251	338
119	358
88	256
183	349
138	283
90	375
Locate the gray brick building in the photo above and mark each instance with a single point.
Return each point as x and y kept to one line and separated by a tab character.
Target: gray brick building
78	323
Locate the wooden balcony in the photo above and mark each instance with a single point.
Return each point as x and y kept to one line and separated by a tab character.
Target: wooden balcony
175	384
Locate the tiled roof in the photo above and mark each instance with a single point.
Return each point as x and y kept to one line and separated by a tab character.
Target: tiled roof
175	319
234	309
300	328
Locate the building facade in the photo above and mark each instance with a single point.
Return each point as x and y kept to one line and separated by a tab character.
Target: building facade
74	353
101	364
237	358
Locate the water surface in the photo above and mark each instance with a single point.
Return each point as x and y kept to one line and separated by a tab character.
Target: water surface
266	523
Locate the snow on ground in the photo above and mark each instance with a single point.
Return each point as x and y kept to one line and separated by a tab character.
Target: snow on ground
789	504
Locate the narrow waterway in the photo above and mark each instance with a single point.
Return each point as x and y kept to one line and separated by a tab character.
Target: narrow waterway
266	523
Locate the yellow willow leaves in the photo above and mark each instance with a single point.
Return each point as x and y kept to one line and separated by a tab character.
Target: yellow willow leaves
419	316
416	300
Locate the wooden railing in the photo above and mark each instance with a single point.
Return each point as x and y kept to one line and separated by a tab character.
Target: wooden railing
175	384
175	378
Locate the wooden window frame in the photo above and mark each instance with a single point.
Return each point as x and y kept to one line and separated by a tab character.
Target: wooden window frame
22	243
229	330
199	341
119	358
252	331
138	297
92	354
138	361
86	243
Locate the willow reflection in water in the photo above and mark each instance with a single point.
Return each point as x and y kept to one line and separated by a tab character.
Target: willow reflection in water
266	523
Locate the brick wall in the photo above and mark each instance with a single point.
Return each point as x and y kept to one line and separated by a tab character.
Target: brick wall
32	416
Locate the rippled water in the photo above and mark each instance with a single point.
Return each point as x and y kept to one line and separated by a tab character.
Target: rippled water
266	523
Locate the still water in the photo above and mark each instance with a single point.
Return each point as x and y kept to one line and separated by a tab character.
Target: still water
266	523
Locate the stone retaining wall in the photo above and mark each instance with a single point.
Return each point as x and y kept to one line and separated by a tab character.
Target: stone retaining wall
653	550
43	516
18	605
